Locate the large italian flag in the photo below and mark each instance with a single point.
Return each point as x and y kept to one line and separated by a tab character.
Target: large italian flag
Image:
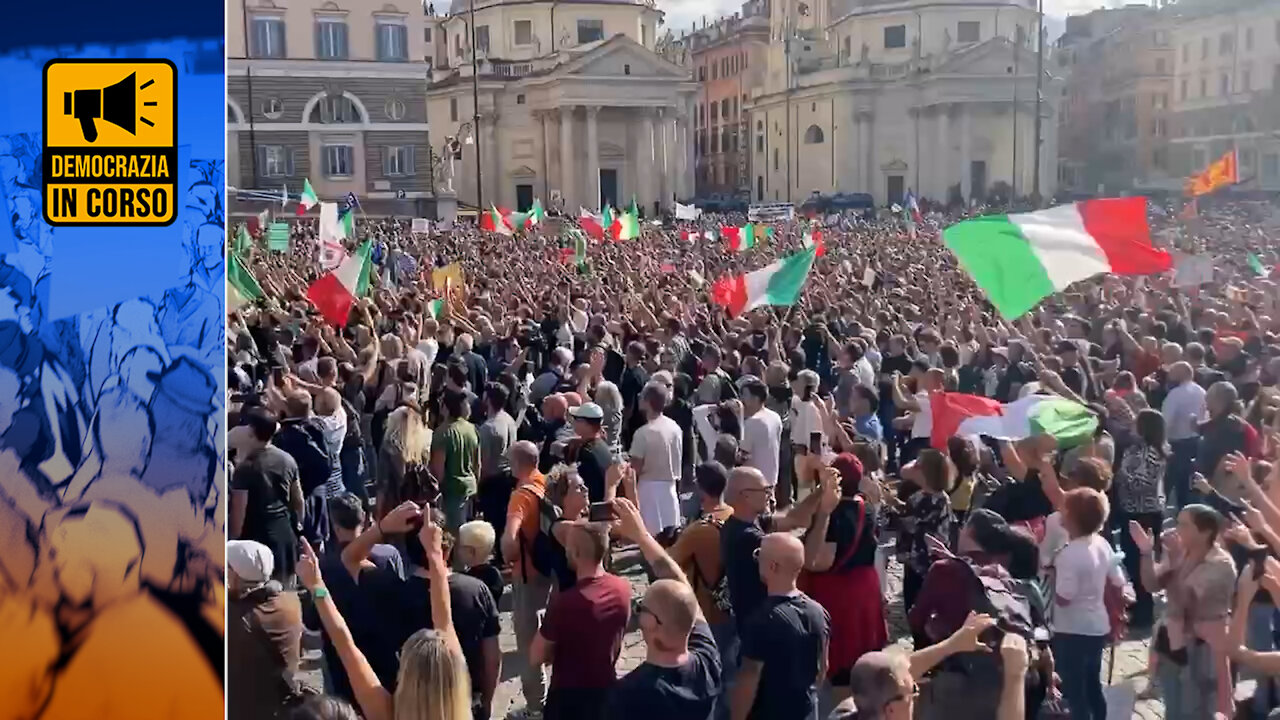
777	284
1023	258
958	414
335	292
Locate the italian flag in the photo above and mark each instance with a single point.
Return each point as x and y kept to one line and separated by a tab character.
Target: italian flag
814	240
745	237
1255	264
626	227
495	221
336	291
592	224
1020	259
242	286
958	414
435	307
308	199
777	284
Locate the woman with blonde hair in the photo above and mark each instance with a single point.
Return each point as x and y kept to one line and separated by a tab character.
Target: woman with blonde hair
433	683
403	459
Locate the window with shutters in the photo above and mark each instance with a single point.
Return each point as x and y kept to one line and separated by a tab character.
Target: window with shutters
268	37
392	40
1226	43
482	39
590	30
968	31
715	142
397	161
275	161
453	109
523	32
331	38
339	160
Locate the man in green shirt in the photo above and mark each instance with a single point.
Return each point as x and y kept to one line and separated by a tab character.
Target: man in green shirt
455	458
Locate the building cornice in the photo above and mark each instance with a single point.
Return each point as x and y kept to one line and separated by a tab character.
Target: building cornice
911	6
261	67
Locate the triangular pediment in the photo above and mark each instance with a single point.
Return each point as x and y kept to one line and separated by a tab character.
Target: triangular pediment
620	56
992	57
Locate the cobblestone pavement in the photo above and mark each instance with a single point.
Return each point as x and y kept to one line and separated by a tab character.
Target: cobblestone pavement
1130	672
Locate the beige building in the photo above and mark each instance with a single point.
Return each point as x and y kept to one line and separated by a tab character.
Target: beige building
575	106
935	96
1227	88
728	60
333	91
1113	122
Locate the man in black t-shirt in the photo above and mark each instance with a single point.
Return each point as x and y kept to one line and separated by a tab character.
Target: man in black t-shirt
680	678
743	532
592	451
784	646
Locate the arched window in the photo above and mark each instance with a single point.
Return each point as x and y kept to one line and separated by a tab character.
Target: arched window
336	109
813	136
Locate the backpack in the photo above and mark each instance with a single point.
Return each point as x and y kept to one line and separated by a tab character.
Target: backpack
967	685
419	485
541	551
718	590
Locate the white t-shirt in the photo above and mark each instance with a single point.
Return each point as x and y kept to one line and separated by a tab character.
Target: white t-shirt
922	419
430	348
762	441
865	373
805	420
1081	572
1055	538
659	444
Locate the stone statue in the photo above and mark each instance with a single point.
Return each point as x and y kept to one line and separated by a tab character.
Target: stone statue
946	38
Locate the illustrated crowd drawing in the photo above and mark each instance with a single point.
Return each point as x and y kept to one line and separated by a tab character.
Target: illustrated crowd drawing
112	492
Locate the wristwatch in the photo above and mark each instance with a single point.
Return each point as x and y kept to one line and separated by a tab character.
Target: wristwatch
319	593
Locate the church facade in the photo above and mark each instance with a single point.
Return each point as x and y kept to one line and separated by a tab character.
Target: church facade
936	97
575	107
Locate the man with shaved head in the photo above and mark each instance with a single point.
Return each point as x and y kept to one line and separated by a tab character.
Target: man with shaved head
784	641
529	588
681	677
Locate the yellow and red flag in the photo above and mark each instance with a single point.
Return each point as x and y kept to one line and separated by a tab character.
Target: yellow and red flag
1220	173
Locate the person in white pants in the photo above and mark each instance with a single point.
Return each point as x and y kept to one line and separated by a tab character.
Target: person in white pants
656	456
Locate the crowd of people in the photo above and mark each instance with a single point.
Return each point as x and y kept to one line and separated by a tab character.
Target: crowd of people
520	436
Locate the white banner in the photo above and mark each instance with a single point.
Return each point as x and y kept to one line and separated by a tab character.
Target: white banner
421	225
330	226
1192	270
687	212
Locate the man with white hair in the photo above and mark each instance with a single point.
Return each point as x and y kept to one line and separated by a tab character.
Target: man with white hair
546	383
477	369
264	635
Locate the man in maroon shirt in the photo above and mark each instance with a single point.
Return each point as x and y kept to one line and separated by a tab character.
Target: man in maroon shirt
581	636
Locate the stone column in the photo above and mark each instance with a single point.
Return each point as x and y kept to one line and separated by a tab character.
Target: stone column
966	155
567	189
866	152
682	154
544	159
942	153
674	153
642	123
690	156
592	189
